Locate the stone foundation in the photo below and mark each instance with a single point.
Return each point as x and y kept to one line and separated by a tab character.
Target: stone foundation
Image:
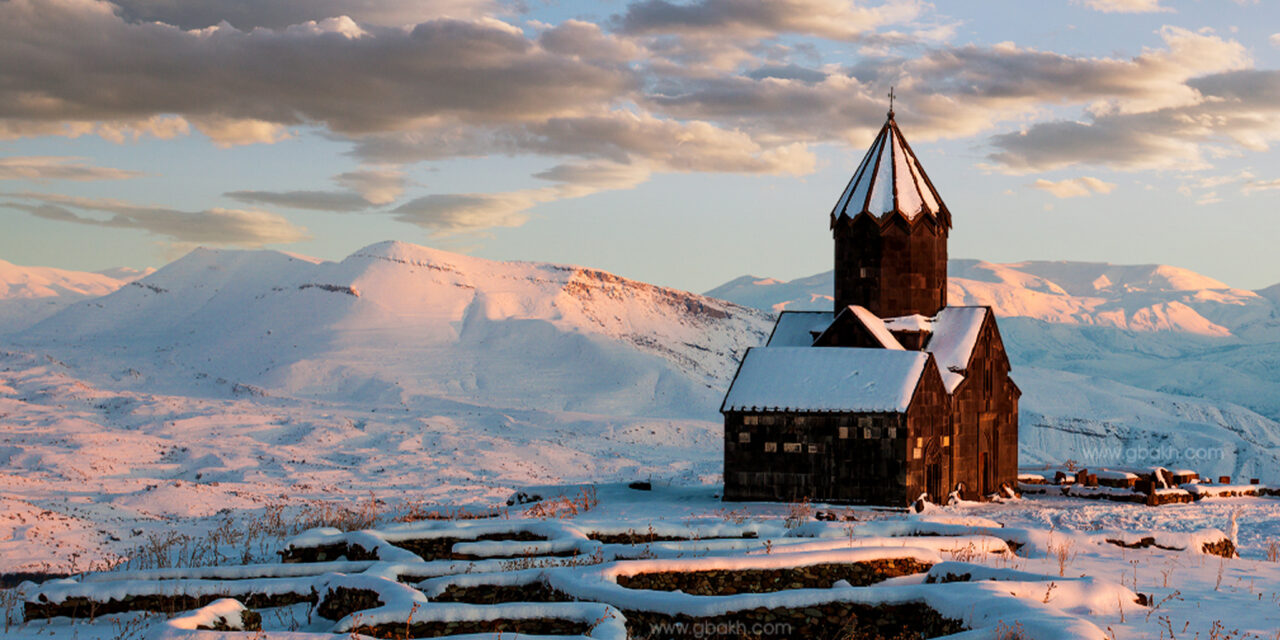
838	620
729	582
82	607
497	594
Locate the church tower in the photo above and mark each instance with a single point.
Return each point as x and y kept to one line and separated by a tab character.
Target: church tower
890	229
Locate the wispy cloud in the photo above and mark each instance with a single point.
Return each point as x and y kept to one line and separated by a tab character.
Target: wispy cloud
1261	185
41	168
210	226
275	14
1126	6
454	213
364	189
1075	187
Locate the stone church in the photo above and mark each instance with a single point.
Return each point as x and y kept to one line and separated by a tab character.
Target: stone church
892	395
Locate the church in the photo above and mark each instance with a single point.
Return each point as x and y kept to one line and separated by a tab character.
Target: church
893	395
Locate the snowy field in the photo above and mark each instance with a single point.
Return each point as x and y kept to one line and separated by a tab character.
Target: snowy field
1062	579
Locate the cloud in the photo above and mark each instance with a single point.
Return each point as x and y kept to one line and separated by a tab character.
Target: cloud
58	168
211	226
446	214
619	136
65	60
948	92
737	19
1261	185
364	188
377	186
1275	39
333	201
1239	107
1126	6
275	14
1074	187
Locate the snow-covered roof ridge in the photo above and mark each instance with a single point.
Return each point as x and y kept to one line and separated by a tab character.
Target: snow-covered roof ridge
809	379
890	180
798	328
871	322
955	332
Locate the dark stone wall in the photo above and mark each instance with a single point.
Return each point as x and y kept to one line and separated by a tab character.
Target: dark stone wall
930	440
792	456
893	268
984	411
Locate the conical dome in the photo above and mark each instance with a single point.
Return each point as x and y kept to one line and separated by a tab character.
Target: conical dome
890	180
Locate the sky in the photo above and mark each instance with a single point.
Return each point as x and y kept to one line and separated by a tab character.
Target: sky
683	143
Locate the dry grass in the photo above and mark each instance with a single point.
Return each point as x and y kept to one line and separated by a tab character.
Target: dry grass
1273	551
1064	553
799	513
562	507
1010	631
11	605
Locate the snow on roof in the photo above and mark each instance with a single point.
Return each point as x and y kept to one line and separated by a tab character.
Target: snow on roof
875	325
840	379
955	334
798	328
914	322
870	321
889	179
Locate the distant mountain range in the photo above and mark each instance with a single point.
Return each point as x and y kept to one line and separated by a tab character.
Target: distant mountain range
1120	365
1116	362
1142	298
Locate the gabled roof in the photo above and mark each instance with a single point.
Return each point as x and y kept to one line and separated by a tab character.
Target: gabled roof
872	323
811	379
798	328
954	332
890	180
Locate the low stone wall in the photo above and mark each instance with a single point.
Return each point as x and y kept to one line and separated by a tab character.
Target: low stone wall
731	581
249	621
82	607
442	548
497	594
1142	543
1224	548
344	601
839	620
531	626
326	553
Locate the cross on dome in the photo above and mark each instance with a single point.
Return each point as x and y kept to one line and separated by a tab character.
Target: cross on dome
890	180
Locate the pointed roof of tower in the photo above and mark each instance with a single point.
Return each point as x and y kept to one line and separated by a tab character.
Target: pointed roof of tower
890	179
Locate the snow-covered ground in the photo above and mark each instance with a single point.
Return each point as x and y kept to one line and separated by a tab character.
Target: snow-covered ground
1064	581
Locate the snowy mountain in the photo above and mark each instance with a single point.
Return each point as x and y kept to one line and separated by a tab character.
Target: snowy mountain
394	323
1143	364
30	294
1141	298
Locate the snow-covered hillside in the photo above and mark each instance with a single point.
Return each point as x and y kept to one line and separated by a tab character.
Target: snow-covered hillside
1120	365
30	294
396	324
